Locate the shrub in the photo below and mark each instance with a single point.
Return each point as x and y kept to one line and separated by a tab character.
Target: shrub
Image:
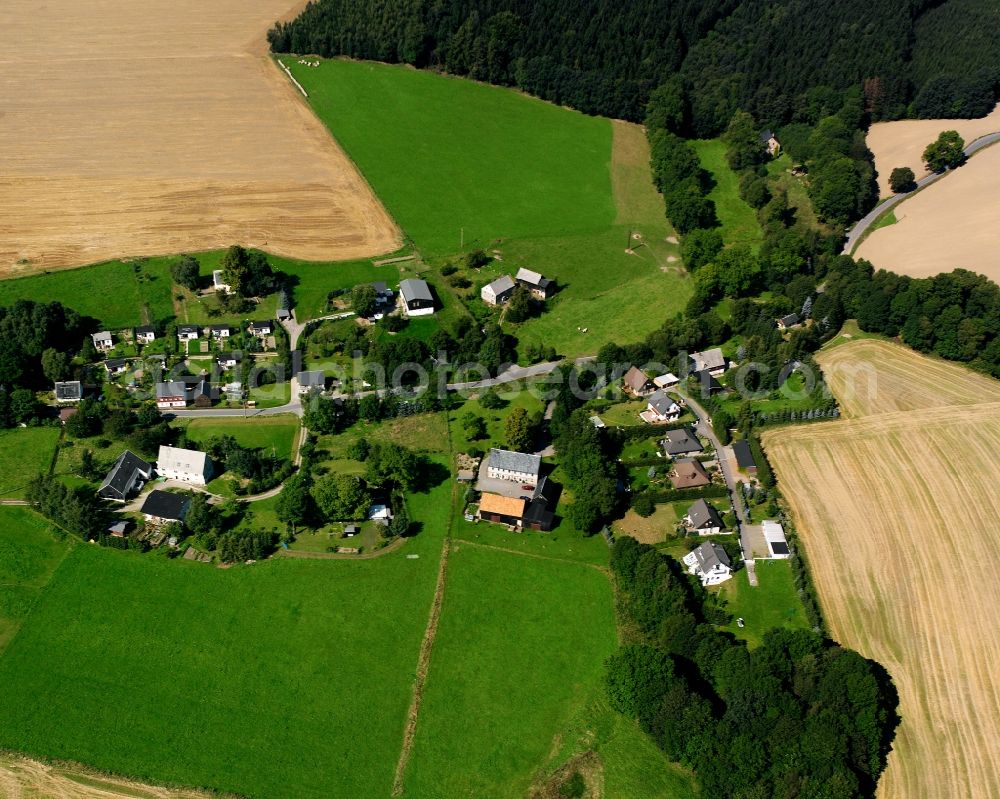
643	505
902	179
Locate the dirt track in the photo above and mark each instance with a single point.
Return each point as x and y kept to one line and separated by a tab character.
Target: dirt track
29	779
149	128
902	143
900	517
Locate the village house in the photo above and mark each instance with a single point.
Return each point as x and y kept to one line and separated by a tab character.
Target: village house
162	507
260	329
711	361
229	360
703	519
637	383
186	465
172	394
68	391
744	457
234	391
668	380
770	143
518	512
416	298
787	322
499	291
541	288
777	544
103	341
309	382
385	299
710	563
145	334
218	332
689	473
661	408
219	282
709	385
202	392
116	366
681	442
515	467
188	332
126	476
119	529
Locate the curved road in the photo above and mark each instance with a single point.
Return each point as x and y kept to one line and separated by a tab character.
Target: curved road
857	232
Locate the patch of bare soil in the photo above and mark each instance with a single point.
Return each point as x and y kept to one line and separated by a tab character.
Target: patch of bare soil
588	766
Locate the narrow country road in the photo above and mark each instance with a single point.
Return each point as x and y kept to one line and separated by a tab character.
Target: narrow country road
856	233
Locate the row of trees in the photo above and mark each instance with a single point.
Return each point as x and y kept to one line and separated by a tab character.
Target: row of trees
798	716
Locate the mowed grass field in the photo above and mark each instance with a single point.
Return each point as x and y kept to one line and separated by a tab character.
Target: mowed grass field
24	452
277	434
739	220
257	680
900	516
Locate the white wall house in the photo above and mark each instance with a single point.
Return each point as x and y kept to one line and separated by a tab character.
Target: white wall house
415	297
661	408
188	465
515	467
710	563
711	361
703	519
188	332
103	341
499	291
219	282
173	394
777	544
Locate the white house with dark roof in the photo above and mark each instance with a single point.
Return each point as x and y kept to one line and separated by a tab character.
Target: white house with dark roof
187	465
637	383
661	408
188	332
103	341
146	334
415	297
68	390
260	329
116	366
540	287
710	563
516	467
777	544
711	361
218	332
162	507
703	519
171	394
229	360
499	291
681	442
311	381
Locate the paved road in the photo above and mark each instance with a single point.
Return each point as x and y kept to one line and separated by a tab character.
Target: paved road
856	233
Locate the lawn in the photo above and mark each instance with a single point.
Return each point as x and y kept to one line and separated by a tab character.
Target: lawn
276	434
773	603
177	672
24	452
739	220
447	155
29	555
513	664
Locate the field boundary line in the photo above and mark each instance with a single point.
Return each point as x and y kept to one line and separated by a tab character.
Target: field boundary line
535	555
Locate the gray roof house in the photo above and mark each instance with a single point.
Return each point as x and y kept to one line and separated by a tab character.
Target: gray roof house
103	340
704	519
264	328
744	456
539	286
127	472
662	407
172	394
711	361
145	334
786	322
499	291
68	391
517	467
416	296
311	381
710	563
681	442
188	332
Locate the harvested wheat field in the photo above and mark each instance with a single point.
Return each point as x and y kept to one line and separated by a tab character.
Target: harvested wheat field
21	778
953	223
899	513
902	143
152	128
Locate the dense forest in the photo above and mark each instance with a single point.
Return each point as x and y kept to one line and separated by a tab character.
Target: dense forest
798	716
766	57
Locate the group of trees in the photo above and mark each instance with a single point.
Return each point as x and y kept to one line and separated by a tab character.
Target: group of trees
248	273
262	469
76	510
678	175
798	716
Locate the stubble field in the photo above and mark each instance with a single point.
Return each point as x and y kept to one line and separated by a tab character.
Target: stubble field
898	511
142	129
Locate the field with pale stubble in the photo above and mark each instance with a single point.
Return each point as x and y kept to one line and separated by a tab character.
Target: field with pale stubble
147	128
898	510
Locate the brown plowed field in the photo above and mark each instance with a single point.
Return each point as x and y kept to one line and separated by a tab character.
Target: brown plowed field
149	128
899	512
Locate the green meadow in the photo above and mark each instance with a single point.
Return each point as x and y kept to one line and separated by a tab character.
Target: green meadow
773	603
277	434
739	220
24	452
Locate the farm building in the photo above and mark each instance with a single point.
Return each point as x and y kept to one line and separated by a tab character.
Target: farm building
103	341
126	476
744	457
681	442
541	288
710	563
711	361
187	465
637	383
661	408
162	507
669	380
703	519
502	510
777	544
416	298
172	394
516	467
689	473
145	334
499	291
68	391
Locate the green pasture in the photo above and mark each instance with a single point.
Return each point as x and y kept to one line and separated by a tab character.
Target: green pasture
739	220
24	452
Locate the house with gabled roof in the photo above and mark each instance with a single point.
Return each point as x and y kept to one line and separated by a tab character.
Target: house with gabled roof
188	332
125	478
260	329
541	288
637	383
163	507
786	322
186	465
661	408
171	394
219	332
229	360
711	361
145	334
499	291
116	366
744	456
103	341
415	297
710	563
689	473
311	381
501	510
681	442
703	519
515	467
